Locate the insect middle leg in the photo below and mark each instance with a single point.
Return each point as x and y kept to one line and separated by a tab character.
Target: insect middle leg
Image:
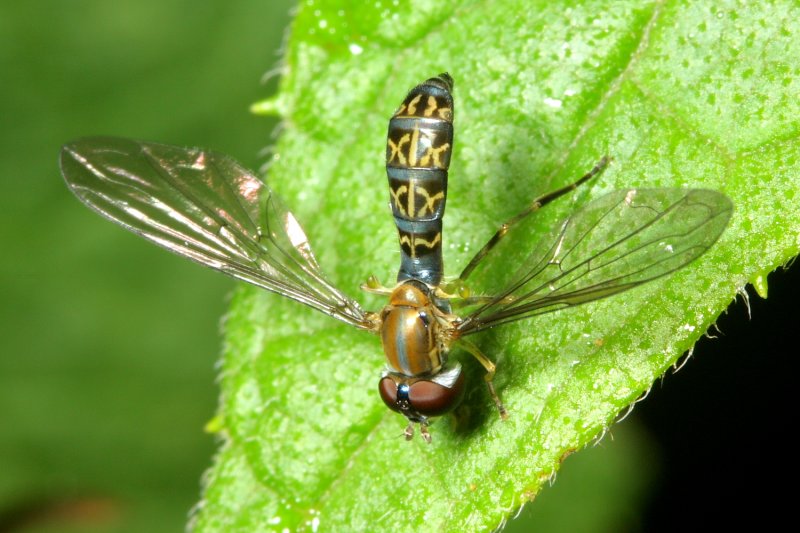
491	368
537	204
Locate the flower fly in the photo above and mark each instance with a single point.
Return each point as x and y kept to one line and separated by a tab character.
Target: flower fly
206	207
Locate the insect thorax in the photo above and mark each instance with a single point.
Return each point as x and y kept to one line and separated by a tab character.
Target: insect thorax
411	332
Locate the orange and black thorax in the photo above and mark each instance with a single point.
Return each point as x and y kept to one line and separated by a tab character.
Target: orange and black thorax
410	331
418	150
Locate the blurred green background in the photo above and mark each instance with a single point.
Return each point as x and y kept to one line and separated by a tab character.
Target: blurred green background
108	345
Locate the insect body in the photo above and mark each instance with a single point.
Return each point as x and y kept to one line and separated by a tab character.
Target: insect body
415	326
206	207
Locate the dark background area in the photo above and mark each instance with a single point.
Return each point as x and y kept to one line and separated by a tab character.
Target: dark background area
725	422
712	445
108	345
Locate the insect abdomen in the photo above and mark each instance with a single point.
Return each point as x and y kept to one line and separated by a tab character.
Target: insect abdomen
418	151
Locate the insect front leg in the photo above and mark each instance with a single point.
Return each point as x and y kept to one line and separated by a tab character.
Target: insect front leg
408	433
537	204
491	368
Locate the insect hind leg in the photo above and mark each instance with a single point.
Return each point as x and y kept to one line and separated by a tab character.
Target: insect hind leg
537	204
491	368
374	286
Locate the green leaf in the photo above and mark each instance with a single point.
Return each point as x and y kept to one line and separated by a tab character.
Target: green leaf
680	94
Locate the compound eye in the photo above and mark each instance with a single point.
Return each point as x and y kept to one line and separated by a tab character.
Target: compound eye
388	390
429	398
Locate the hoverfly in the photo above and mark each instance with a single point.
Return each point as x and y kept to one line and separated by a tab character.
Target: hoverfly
206	207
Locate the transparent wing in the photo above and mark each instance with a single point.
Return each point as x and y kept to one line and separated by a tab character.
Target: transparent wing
612	244
206	207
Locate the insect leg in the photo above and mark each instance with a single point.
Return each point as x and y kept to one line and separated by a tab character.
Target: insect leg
537	204
374	286
491	368
472	300
458	303
409	431
423	431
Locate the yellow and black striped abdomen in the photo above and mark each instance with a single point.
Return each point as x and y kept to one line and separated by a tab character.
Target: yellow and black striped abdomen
418	150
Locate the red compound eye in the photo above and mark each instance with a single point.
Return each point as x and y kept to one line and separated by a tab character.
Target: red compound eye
425	398
388	390
432	399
